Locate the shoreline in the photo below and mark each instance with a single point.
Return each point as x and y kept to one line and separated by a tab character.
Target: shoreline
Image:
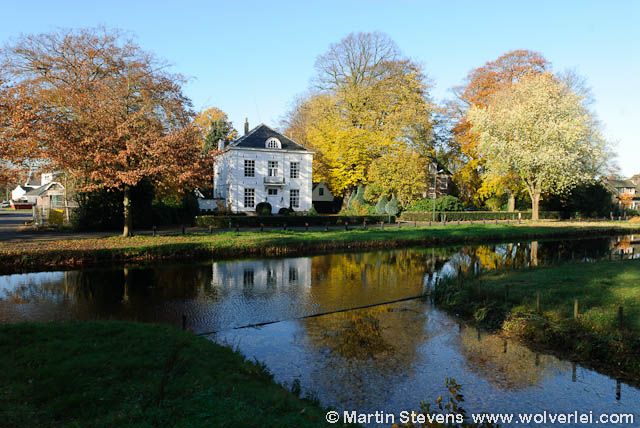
17	257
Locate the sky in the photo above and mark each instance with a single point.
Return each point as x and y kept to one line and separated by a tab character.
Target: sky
253	58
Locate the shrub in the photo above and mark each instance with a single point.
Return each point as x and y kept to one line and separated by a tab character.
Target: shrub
381	205
392	208
475	215
222	222
312	211
263	209
443	203
285	211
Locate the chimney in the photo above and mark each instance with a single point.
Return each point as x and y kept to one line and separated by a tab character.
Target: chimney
246	126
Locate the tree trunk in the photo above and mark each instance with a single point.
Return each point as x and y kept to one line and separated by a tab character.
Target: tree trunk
535	205
511	204
128	216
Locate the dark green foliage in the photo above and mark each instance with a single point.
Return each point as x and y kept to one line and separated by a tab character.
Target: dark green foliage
219	130
285	211
382	205
221	222
443	203
585	201
115	374
312	211
263	209
103	210
474	215
392	208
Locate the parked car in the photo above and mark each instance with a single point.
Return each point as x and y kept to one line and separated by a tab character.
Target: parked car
5	204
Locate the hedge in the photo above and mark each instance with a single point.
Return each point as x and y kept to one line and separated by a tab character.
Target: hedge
221	222
475	215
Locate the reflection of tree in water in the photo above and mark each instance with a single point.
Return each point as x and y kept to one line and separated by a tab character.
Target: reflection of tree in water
505	364
362	352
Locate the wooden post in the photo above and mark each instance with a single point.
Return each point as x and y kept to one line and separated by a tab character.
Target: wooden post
210	229
538	309
364	224
184	322
183	229
620	317
382	225
575	309
155	230
306	226
261	227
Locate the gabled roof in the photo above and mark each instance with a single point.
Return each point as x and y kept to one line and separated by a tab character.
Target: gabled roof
257	137
42	189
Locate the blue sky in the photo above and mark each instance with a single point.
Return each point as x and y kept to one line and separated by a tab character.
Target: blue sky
252	58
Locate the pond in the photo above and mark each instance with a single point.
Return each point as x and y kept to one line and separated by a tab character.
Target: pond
326	324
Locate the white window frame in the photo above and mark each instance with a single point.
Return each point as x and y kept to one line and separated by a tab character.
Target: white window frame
294	170
249	168
272	143
294	198
249	200
272	168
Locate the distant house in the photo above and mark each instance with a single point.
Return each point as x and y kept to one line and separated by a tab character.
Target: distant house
625	191
323	200
44	192
439	182
263	166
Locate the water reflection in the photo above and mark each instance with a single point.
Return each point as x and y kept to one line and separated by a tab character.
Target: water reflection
380	357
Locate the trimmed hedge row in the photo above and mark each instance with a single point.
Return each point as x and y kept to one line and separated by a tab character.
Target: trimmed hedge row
221	222
475	215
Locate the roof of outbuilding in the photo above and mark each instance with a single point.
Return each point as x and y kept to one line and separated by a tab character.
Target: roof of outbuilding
257	137
42	189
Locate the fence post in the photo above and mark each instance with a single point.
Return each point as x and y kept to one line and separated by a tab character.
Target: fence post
538	308
620	317
575	309
155	230
382	225
210	230
183	229
261	227
184	322
306	226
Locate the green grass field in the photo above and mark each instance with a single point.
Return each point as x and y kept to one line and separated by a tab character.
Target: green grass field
74	252
116	374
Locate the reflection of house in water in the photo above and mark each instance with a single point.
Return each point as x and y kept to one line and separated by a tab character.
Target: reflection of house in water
260	275
628	244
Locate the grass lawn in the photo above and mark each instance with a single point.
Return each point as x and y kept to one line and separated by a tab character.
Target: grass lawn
116	374
509	301
74	252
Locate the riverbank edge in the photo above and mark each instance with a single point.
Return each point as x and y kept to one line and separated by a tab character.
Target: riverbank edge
564	339
124	374
89	252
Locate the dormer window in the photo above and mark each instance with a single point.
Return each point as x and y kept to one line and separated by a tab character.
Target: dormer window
273	143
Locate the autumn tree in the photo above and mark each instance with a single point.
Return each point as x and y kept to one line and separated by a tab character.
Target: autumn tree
481	84
370	101
401	173
100	108
541	130
213	125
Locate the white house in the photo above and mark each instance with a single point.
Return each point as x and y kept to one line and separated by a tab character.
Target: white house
263	166
323	200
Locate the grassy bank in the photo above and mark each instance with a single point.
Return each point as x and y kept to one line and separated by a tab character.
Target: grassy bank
15	256
123	375
538	307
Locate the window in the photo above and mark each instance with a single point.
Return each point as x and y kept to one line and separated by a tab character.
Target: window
249	198
321	191
272	143
273	168
247	277
444	183
295	169
294	198
293	275
249	168
272	192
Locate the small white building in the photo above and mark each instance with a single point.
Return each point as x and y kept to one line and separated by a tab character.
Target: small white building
263	166
33	188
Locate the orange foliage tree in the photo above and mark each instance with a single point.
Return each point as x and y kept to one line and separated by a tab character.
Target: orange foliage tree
481	84
100	108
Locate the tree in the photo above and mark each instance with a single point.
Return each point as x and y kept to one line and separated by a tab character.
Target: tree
372	102
392	207
382	205
402	172
539	129
481	84
101	109
214	125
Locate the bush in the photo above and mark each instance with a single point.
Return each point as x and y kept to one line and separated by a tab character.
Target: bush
285	211
381	205
312	211
475	215
443	203
392	208
222	222
263	209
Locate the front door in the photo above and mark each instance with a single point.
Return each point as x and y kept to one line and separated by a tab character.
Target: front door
274	195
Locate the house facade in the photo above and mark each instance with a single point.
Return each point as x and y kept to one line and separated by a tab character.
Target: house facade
263	166
44	192
323	200
439	180
626	192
